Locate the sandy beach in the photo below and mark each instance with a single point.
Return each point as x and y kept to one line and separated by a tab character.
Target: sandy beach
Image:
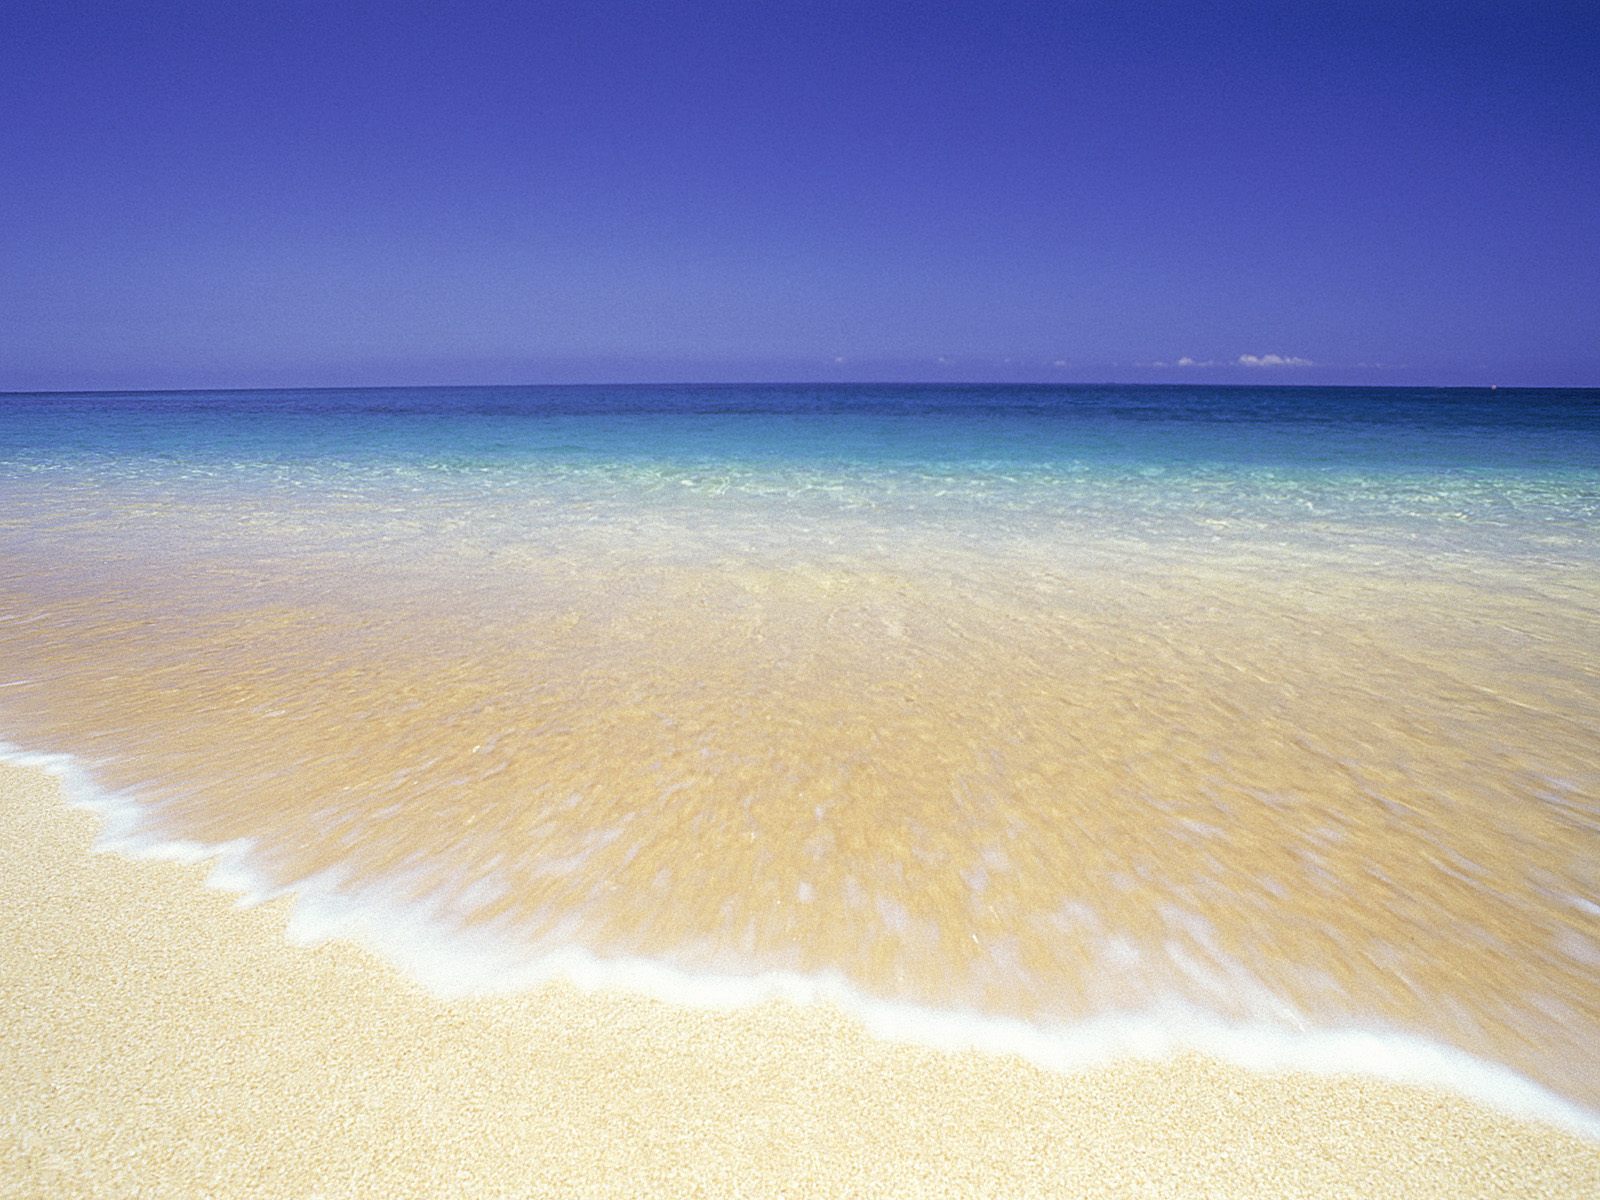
813	600
161	1041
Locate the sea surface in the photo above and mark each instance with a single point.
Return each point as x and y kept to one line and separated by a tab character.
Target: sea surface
1074	720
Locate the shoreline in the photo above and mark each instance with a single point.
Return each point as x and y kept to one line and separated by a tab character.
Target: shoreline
164	1040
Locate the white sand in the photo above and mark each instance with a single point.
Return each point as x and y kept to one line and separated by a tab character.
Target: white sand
159	1041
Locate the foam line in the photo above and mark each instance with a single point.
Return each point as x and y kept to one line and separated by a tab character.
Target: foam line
452	963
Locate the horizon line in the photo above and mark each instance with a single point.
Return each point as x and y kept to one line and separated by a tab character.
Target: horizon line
794	383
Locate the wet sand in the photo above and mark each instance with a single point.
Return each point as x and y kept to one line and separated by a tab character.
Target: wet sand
1306	792
160	1041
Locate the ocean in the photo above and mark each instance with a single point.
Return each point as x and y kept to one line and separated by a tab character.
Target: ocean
1069	721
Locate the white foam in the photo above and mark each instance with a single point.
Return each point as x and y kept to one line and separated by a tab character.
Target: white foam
452	962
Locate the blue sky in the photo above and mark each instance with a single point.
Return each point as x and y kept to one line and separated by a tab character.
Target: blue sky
219	194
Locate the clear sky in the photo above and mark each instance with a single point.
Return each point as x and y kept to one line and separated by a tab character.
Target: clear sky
243	194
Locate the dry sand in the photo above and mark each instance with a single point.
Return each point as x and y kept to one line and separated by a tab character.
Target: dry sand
160	1041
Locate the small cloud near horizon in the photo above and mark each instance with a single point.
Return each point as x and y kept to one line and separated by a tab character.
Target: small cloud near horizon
1185	361
1273	360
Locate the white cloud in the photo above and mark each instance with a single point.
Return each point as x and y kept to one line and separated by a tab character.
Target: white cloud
1273	360
1185	361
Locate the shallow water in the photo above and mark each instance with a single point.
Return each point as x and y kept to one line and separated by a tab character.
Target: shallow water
1281	706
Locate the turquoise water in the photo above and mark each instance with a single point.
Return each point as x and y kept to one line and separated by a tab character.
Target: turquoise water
1017	424
1512	471
1108	715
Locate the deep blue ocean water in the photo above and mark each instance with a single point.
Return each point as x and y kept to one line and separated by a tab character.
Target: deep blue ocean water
1015	425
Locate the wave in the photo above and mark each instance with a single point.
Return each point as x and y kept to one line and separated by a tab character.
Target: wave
451	963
